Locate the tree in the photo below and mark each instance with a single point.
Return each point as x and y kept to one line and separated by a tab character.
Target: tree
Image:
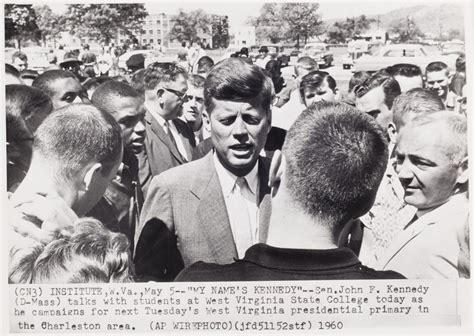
340	31
302	20
49	23
406	29
287	21
20	23
188	26
268	25
103	21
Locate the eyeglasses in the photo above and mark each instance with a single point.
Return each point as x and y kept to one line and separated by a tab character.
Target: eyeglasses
181	95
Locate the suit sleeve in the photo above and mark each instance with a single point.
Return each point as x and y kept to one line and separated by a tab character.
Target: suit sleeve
156	255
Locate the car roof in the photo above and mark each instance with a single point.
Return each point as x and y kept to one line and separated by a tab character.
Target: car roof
403	46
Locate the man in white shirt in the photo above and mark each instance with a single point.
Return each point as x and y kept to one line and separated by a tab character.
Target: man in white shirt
432	167
215	208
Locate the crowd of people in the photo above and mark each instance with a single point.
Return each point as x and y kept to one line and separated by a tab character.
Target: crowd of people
228	171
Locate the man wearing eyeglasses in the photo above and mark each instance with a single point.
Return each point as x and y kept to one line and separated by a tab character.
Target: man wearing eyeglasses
169	141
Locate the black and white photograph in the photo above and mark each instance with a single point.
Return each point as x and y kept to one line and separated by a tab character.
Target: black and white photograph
247	167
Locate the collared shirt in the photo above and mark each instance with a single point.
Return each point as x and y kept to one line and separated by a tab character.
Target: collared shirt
228	184
387	217
174	131
429	247
265	262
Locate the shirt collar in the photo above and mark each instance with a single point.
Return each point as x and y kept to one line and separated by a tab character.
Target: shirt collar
300	259
227	179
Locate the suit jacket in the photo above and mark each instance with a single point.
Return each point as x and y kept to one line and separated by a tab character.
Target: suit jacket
429	247
184	220
160	153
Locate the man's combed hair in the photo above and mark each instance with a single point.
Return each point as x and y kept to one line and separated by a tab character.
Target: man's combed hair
307	63
235	80
21	55
357	78
382	78
455	124
92	254
437	66
104	97
336	157
76	135
10	69
157	73
404	69
44	81
415	102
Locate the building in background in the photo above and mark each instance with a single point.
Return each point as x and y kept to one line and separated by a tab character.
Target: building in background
242	35
154	32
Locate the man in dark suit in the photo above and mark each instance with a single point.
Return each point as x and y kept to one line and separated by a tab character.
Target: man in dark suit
214	208
333	160
169	141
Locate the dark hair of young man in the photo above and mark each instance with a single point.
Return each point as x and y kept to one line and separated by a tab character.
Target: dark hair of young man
334	176
235	80
382	78
158	72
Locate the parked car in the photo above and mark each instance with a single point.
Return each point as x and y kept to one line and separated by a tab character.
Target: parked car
150	56
355	49
319	52
400	53
452	47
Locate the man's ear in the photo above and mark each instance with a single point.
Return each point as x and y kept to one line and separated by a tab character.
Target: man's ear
463	172
277	167
392	132
337	92
159	95
91	174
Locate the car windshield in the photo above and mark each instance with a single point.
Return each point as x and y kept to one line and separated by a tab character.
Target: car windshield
315	48
453	46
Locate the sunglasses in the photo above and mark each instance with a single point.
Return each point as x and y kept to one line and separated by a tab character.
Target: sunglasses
182	96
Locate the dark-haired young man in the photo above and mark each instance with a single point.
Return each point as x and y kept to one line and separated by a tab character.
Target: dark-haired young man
214	208
437	79
120	207
313	201
62	87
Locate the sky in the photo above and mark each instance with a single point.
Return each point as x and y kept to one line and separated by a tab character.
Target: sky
239	11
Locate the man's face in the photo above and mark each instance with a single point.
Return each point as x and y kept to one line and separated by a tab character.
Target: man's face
239	131
407	83
424	167
373	103
68	91
192	109
20	64
438	81
173	97
321	93
129	113
97	187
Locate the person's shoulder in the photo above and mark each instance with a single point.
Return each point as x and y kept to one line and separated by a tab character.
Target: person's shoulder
202	271
182	173
369	273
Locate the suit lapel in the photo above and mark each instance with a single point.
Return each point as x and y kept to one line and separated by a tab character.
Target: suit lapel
212	213
264	199
163	137
185	137
403	238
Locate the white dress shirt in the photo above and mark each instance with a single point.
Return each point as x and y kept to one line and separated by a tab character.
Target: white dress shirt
174	131
235	211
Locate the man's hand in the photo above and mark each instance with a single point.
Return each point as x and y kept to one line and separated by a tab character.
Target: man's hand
44	217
